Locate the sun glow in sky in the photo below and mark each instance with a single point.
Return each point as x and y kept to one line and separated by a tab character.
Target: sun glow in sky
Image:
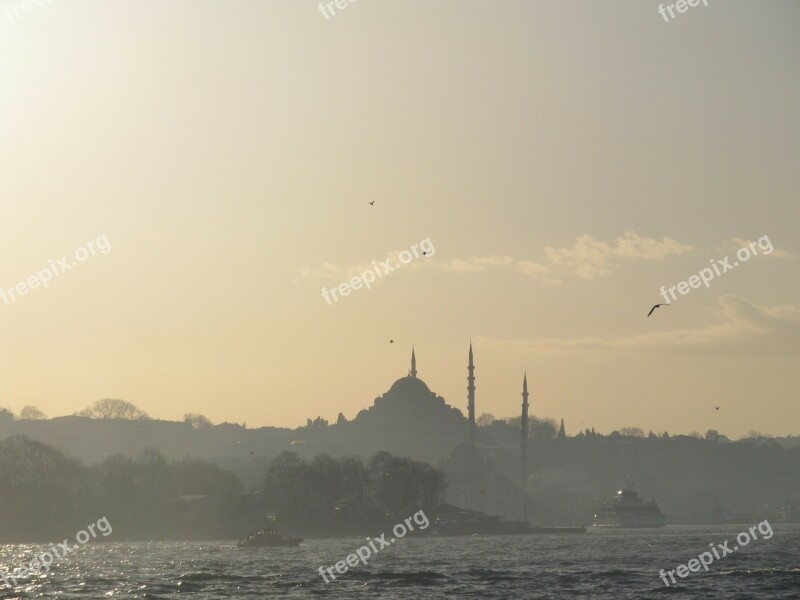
565	159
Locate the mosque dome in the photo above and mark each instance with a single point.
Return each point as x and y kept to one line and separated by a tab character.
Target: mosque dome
410	386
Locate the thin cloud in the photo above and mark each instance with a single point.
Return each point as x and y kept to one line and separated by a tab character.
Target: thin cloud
741	328
590	258
473	264
538	271
737	243
324	270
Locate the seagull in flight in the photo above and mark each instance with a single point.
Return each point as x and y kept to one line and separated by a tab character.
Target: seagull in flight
716	407
655	307
371	203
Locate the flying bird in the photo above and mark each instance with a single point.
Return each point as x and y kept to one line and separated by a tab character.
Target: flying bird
655	307
371	203
716	407
252	452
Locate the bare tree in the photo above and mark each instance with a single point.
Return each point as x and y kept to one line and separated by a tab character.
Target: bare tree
485	419
632	431
197	421
31	413
109	408
543	429
538	429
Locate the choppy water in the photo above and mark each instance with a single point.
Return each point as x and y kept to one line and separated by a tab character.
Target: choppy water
600	564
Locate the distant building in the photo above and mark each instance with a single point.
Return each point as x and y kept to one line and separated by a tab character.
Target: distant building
409	420
473	483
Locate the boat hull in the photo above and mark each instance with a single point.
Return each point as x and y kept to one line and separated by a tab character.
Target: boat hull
629	522
256	544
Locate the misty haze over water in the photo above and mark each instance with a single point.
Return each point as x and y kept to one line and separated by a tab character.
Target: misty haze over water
399	299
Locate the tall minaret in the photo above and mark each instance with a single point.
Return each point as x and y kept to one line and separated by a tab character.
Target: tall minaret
523	446
471	395
413	371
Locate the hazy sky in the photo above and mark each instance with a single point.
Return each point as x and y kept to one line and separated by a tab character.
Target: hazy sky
565	159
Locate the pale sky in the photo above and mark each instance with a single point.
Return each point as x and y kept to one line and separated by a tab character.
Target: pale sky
565	159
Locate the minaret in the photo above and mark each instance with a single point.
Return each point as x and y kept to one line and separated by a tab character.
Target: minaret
471	395
413	371
523	446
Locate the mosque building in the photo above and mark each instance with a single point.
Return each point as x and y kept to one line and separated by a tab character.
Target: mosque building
413	421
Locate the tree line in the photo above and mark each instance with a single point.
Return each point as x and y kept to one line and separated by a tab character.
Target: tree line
44	494
338	495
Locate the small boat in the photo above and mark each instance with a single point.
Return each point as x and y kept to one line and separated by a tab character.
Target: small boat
266	538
